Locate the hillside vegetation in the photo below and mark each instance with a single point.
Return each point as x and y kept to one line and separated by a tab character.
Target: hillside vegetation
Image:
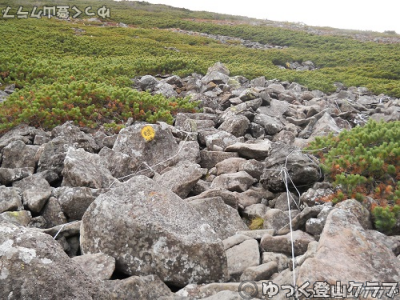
45	56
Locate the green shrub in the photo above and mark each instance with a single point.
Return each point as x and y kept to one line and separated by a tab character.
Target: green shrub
385	217
364	162
87	104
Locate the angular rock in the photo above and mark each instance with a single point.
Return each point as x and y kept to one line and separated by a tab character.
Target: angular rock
236	125
84	169
282	244
223	219
27	255
138	287
21	217
257	131
257	151
8	176
285	137
75	137
154	232
19	155
99	265
53	213
276	88
255	211
181	119
300	167
121	166
249	94
194	125
313	195
190	151
53	155
346	252
157	153
219	140
165	89
181	179
148	82
200	187
210	158
9	199
20	133
280	259
230	165
64	230
282	202
35	192
300	220
217	74
235	182
275	219
271	125
257	234
314	226
241	257
235	240
254	167
74	201
355	207
254	195
261	272
229	198
325	125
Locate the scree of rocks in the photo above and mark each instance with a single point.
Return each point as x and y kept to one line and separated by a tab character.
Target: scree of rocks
94	215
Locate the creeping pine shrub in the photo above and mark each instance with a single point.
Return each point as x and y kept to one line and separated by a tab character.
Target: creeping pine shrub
365	162
88	105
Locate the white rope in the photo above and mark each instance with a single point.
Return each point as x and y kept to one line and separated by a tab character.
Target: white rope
59	231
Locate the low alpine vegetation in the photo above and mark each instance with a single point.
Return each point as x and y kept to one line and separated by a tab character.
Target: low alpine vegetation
88	105
365	162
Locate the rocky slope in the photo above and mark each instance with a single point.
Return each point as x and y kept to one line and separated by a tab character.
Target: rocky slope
92	215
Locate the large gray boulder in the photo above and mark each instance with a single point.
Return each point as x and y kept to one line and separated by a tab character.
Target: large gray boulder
8	175
19	155
236	182
282	243
53	155
242	256
155	153
9	199
84	169
75	137
182	178
218	73
153	232
236	125
99	265
75	200
34	266
301	168
121	165
224	219
347	252
35	192
255	150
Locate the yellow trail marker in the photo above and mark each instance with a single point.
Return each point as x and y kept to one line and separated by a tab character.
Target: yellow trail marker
148	133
